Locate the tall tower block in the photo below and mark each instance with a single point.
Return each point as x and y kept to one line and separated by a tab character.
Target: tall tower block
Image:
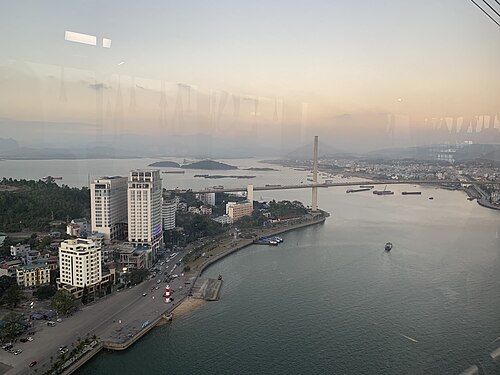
315	176
250	193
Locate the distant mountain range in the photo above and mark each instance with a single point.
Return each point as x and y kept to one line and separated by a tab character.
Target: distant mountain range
306	151
206	147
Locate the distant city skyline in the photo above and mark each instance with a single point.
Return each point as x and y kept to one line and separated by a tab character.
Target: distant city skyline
365	75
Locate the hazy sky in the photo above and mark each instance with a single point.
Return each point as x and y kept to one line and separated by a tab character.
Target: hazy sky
285	69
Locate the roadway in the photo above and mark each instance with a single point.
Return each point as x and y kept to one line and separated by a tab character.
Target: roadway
113	318
340	184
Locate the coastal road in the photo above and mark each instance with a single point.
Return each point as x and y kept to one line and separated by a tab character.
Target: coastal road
111	318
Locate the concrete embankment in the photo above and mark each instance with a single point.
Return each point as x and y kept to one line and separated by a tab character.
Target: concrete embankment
87	357
245	243
119	346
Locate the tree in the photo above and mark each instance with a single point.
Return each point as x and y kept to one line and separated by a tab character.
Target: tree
12	295
45	291
85	295
5	283
63	302
138	275
12	326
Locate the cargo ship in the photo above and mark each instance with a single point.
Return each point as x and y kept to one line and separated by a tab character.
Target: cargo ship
383	192
356	190
411	193
176	172
367	186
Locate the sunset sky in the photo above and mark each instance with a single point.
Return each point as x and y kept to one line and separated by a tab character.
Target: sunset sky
253	68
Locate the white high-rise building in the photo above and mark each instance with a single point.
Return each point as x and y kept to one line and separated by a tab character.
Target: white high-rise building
206	198
168	209
80	263
144	209
236	210
108	198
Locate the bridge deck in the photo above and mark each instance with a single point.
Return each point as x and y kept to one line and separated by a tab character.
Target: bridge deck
340	184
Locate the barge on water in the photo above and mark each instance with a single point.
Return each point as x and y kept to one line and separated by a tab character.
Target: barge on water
383	192
357	190
411	193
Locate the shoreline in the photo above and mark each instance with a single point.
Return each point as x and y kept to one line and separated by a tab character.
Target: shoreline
188	304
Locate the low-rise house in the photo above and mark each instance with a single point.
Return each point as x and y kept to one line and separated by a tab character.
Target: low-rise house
33	275
19	250
9	268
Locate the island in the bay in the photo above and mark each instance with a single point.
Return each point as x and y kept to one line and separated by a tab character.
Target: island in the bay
167	164
209	165
261	169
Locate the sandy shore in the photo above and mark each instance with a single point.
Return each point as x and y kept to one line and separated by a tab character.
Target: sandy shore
187	305
225	247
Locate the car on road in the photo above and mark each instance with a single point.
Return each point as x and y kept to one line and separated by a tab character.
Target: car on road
51	323
30	338
33	363
58	320
17	351
144	294
62	347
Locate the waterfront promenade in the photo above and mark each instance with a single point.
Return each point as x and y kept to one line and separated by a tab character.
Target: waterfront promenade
119	320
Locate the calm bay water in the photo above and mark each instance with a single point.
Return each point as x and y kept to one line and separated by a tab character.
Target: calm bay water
330	300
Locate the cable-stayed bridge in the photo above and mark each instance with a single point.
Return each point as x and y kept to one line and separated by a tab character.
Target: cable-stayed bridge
343	184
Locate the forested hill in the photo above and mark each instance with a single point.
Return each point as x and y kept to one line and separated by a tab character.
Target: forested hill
33	204
209	165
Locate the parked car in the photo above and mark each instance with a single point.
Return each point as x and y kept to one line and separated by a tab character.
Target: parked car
33	363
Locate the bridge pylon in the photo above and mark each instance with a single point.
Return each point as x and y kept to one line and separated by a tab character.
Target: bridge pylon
314	203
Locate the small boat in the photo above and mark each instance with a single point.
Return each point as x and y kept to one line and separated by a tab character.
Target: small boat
388	246
220	277
431	198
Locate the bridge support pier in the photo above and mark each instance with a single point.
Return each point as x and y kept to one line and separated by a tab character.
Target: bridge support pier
314	203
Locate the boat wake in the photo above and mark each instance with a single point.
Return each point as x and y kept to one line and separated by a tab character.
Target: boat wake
409	338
